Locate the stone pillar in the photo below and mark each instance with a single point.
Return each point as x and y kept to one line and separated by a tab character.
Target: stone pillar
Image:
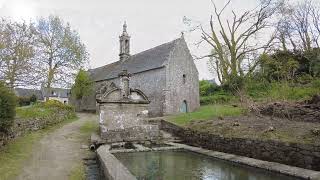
124	83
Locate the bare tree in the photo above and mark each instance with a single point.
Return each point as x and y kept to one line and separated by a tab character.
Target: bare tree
235	40
60	52
16	53
298	26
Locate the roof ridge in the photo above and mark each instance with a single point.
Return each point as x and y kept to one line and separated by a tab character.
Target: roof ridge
145	60
173	41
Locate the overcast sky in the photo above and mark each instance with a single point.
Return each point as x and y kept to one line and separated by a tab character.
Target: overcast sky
99	22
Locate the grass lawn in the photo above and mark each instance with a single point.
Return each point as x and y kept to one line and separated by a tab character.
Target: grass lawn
33	112
206	113
17	151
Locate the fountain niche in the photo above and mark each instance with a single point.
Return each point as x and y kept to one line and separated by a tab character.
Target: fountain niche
123	112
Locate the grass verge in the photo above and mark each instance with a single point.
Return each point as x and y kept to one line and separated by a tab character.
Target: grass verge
89	127
33	112
78	173
17	151
206	113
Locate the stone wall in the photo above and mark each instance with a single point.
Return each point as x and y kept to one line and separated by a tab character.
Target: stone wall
179	88
163	86
300	155
23	126
151	82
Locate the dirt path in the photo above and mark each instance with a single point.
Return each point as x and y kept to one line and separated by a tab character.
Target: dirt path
57	153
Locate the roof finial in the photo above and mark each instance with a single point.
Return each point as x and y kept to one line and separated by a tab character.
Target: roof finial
182	34
125	26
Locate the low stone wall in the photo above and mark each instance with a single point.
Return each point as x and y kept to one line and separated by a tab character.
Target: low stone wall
300	155
22	126
111	167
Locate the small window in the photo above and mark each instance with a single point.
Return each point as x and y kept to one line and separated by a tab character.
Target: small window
184	79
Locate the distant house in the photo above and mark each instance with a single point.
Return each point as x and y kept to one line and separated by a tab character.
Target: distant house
58	94
27	93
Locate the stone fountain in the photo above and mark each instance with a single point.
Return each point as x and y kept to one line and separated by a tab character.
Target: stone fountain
123	112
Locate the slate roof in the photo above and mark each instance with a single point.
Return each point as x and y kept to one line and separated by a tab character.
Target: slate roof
21	92
147	60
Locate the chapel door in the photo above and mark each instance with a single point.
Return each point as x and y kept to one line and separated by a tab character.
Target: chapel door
184	107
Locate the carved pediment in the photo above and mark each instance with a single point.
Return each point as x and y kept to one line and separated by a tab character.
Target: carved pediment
110	93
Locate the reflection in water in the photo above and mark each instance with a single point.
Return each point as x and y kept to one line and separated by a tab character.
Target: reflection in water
182	165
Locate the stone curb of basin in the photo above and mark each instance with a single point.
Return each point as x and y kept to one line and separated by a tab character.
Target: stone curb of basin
113	169
270	166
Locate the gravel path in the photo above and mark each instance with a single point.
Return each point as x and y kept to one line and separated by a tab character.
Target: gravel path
57	153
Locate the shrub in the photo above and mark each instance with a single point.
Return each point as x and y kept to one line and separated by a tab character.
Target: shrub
7	107
24	101
221	97
207	88
316	84
57	105
33	98
234	84
257	88
304	79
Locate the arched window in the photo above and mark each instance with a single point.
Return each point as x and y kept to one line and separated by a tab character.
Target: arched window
184	79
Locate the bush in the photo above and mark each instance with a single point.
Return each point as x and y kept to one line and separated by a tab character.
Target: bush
57	105
207	88
24	101
234	84
7	107
33	98
221	97
257	88
304	79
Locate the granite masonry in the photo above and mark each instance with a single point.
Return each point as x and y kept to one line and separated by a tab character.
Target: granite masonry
299	155
122	113
23	126
166	74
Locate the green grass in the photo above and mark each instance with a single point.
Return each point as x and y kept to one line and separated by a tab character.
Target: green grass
77	173
282	91
17	151
206	113
89	127
33	112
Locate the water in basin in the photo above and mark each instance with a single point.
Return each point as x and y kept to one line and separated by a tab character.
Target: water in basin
185	165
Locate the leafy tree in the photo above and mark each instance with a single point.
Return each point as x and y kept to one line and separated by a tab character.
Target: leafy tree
281	65
16	53
7	107
60	52
82	86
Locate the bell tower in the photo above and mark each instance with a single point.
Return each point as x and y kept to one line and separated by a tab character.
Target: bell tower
124	44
